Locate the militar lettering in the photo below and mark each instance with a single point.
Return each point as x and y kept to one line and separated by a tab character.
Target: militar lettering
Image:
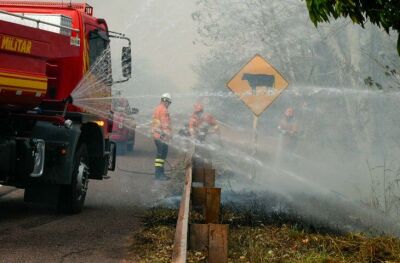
16	44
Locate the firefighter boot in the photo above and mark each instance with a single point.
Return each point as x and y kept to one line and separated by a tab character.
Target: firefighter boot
160	174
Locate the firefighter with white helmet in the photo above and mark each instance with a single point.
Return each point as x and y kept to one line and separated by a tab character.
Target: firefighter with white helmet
161	130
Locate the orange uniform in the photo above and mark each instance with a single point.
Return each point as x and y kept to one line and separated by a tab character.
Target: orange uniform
210	120
161	127
288	125
199	125
194	123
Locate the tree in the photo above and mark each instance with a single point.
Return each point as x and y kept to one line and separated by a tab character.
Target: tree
383	13
325	66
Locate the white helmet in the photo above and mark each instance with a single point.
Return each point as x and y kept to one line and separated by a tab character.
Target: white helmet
166	97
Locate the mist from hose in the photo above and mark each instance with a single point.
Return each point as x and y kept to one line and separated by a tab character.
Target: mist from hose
347	145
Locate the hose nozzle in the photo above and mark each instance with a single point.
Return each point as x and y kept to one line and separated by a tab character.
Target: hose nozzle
68	100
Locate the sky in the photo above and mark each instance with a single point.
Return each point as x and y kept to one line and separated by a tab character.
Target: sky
162	32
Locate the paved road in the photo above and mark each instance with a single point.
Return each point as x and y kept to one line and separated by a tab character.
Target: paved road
31	233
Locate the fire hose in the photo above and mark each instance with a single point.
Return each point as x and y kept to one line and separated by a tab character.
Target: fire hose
168	171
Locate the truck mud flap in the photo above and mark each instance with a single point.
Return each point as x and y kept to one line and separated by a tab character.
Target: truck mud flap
112	156
61	145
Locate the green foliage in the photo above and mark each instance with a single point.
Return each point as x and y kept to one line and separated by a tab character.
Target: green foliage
391	74
383	13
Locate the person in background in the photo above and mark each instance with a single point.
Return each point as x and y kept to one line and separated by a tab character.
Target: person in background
288	124
161	130
201	124
288	127
120	101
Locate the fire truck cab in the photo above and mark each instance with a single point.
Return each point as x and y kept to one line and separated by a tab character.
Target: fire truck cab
49	146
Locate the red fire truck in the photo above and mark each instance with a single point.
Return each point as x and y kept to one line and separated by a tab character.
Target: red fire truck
124	128
49	146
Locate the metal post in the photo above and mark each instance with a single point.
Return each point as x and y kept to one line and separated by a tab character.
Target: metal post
254	153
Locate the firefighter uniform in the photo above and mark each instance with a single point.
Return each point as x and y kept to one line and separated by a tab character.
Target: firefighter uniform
200	123
289	128
288	124
161	130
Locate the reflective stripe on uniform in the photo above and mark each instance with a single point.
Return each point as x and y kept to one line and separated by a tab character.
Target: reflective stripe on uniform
159	162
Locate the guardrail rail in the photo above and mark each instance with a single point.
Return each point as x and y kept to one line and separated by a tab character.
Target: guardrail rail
200	194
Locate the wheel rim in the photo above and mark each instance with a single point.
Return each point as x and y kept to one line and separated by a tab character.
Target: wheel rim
82	180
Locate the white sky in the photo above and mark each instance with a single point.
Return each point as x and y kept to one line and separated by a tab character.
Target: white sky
162	32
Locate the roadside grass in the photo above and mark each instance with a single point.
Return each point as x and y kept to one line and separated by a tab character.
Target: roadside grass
254	239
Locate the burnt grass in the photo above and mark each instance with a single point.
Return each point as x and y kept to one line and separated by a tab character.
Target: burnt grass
273	228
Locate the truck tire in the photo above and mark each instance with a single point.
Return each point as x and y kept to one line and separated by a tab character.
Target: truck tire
73	196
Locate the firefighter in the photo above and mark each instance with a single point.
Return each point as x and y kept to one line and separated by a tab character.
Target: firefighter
161	129
288	125
195	119
201	124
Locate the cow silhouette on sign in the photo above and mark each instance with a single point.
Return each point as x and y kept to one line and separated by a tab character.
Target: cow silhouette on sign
259	80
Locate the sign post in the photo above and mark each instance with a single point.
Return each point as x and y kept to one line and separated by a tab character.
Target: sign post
257	84
255	139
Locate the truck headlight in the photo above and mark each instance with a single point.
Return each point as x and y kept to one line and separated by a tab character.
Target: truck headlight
38	158
68	124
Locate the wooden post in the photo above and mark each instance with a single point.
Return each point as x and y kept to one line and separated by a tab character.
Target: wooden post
198	175
218	244
213	202
198	237
209	177
204	176
209	199
210	237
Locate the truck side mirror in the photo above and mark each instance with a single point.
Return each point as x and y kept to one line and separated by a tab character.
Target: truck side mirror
126	57
134	111
126	61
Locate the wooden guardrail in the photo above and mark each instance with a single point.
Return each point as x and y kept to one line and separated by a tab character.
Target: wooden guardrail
200	194
181	234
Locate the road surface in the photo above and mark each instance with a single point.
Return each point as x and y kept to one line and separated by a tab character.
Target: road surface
32	233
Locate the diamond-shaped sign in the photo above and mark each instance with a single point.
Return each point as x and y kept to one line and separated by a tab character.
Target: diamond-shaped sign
258	84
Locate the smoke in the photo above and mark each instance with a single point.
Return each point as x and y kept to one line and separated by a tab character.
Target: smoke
347	144
162	33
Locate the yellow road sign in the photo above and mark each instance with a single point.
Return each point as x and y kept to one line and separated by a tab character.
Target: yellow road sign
258	84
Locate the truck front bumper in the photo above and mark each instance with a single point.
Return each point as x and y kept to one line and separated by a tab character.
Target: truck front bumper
21	158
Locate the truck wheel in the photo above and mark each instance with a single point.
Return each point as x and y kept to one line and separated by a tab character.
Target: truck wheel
73	196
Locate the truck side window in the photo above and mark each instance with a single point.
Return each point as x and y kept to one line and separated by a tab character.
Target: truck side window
99	44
